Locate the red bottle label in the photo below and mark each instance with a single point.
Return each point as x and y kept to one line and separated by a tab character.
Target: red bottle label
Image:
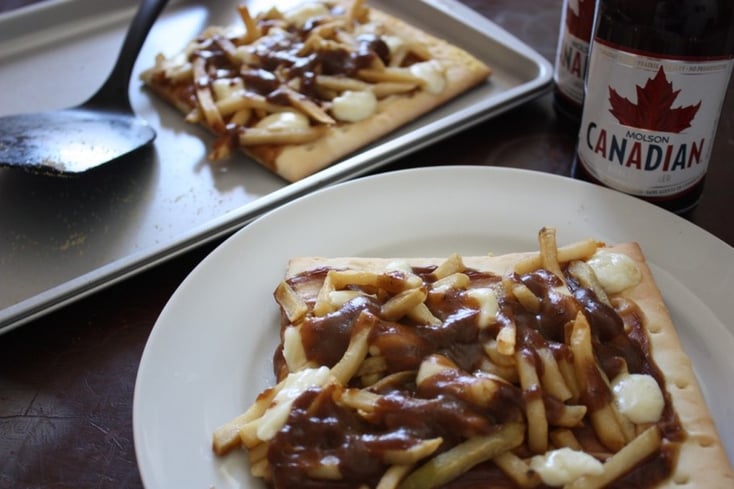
648	123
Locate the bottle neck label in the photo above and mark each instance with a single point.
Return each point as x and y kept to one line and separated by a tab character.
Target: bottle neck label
648	123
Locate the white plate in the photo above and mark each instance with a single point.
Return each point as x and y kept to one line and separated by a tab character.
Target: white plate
210	352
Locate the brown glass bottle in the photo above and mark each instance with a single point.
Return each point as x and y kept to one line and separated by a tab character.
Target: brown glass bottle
577	17
658	74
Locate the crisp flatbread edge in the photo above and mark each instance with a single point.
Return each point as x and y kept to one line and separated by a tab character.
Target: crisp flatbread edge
703	461
294	162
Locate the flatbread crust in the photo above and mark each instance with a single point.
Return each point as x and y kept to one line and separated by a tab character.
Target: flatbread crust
293	162
702	459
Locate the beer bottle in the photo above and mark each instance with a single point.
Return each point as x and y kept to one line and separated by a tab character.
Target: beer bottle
658	74
577	17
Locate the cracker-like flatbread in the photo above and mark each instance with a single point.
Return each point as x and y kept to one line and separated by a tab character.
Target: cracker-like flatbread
428	72
320	299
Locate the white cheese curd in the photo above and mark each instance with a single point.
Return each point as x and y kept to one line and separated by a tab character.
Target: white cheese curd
615	271
431	72
394	43
353	106
286	120
638	397
564	465
301	14
488	305
295	384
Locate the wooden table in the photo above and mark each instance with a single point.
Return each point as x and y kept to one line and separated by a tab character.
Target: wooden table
67	379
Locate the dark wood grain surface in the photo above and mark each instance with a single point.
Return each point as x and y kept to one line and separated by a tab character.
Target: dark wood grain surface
67	379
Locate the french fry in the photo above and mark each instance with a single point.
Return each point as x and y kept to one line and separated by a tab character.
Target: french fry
549	252
390	74
525	297
256	136
563	437
582	272
580	250
252	30
227	436
402	303
647	443
517	469
534	406
462	457
350	362
292	304
592	386
451	265
392	476
506	339
551	377
412	455
206	99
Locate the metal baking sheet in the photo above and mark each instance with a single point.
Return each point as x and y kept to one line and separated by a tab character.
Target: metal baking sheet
63	238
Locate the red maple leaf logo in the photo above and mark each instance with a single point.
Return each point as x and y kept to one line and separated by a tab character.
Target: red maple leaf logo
654	108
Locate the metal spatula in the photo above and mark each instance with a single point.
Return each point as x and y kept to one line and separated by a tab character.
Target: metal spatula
103	128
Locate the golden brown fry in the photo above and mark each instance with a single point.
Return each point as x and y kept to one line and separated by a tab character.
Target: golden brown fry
534	405
252	30
390	74
451	265
462	457
421	314
349	364
392	476
255	136
357	11
385	89
569	416
402	303
205	97
413	454
517	469
492	349
341	83
293	305
549	252
582	272
563	437
647	443
551	378
227	436
506	339
592	385
360	399
307	106
565	366
580	250
525	296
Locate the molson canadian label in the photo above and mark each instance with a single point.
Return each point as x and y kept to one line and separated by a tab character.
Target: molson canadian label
648	123
573	48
